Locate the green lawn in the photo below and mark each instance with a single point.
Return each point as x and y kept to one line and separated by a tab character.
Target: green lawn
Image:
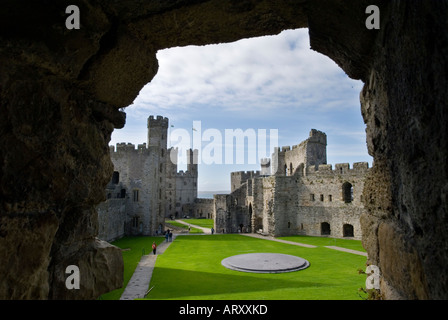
204	223
183	226
133	247
191	269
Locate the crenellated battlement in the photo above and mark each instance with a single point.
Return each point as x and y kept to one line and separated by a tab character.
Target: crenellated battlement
128	148
340	168
159	121
248	174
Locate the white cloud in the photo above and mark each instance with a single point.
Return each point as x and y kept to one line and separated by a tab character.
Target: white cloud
273	82
245	76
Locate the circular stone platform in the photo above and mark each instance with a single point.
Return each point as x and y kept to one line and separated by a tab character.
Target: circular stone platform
265	263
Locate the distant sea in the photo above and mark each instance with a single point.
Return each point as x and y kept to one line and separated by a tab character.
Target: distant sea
209	194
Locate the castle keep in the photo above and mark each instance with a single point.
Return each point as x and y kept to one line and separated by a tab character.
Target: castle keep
295	192
146	187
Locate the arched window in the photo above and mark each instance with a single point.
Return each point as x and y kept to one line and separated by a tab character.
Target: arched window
325	229
286	170
347	192
347	230
290	169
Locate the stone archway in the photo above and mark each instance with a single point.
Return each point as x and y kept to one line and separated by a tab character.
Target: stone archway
60	97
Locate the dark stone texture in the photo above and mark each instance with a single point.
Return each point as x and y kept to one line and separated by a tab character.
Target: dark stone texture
60	97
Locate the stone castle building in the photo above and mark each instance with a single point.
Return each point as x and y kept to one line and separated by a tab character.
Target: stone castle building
146	187
295	192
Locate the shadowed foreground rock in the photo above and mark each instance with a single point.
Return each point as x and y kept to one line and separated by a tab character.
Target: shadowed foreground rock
60	97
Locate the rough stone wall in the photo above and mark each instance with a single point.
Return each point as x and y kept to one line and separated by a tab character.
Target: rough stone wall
154	188
181	187
319	197
288	161
305	196
170	181
404	103
149	177
139	169
239	177
61	90
204	208
112	215
222	218
186	191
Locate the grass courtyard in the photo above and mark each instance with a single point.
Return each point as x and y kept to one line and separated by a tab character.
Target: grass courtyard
191	269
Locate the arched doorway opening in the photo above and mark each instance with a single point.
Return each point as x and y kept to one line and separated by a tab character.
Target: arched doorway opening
347	230
325	229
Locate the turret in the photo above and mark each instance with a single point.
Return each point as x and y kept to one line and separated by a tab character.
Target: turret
192	162
157	132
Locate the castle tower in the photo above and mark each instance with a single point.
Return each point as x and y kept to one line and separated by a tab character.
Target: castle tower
192	161
316	149
278	162
156	173
192	169
158	132
171	163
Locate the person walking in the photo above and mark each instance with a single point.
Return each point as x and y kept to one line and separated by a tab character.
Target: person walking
154	247
167	234
171	236
213	230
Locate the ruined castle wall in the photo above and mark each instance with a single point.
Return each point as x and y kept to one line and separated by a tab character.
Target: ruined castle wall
221	216
186	192
256	204
239	177
285	194
140	172
287	161
204	208
324	196
170	183
268	189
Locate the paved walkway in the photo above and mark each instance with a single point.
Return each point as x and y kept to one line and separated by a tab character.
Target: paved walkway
259	236
348	250
205	230
137	286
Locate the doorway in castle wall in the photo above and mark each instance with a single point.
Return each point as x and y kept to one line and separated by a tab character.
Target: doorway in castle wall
347	230
325	229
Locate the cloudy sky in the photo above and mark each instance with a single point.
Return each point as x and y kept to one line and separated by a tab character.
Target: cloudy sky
274	87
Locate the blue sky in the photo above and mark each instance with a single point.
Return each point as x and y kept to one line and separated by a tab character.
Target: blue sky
272	83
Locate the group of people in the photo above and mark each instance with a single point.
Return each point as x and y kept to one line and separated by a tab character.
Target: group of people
168	237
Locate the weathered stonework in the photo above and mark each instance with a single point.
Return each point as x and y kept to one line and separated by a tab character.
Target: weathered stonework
146	187
297	198
61	90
